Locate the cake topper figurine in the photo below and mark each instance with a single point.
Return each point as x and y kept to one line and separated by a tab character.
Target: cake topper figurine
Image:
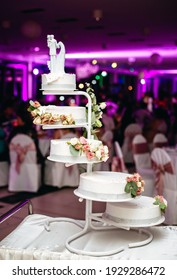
56	63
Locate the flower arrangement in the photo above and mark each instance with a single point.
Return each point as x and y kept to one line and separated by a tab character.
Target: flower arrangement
159	200
46	118
67	119
92	150
41	117
97	113
135	185
34	108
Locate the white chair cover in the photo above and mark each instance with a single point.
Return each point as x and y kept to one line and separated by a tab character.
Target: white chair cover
24	172
160	140
118	164
166	182
4	173
4	165
58	175
129	133
142	161
141	152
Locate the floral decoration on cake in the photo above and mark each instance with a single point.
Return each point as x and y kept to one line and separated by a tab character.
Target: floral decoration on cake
91	149
135	185
159	200
96	110
40	117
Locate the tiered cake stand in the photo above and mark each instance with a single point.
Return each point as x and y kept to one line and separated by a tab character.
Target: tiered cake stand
93	221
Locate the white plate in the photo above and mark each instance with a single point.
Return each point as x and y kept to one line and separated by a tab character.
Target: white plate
73	160
100	197
59	125
59	91
133	225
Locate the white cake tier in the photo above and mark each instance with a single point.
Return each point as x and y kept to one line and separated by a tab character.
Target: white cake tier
64	82
78	113
103	186
60	151
138	212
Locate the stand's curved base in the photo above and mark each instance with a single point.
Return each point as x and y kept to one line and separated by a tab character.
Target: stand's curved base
108	252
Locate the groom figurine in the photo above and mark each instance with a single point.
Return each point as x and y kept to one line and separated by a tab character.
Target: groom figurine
52	44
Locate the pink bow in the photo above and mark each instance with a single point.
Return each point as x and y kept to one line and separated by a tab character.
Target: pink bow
159	172
160	144
118	164
21	153
141	148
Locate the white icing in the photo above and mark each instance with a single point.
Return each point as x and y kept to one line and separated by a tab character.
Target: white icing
54	82
139	210
105	183
60	149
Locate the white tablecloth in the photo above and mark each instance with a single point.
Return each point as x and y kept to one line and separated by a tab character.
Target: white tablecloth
31	241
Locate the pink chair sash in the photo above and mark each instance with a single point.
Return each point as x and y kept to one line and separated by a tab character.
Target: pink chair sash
160	144
69	168
118	164
159	172
141	148
21	153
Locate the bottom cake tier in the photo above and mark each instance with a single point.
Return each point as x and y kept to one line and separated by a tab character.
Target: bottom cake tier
139	212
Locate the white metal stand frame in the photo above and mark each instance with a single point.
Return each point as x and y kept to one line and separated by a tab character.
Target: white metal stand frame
89	216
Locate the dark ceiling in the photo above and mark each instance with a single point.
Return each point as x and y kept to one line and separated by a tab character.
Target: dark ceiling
124	25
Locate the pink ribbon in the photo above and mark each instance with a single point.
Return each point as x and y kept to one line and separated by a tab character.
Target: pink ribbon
70	169
141	148
159	173
160	144
118	164
21	152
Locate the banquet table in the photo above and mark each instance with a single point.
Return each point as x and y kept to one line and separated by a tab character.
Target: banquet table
33	240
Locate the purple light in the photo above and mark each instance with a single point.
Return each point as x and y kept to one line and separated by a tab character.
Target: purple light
23	67
169	71
36	49
121	54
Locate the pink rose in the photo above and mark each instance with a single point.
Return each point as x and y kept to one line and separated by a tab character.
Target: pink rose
86	148
78	146
138	192
83	140
36	104
89	155
134	179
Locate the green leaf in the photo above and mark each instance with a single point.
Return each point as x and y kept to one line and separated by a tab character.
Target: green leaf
98	123
73	151
134	186
127	188
31	108
93	117
156	203
96	108
133	192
